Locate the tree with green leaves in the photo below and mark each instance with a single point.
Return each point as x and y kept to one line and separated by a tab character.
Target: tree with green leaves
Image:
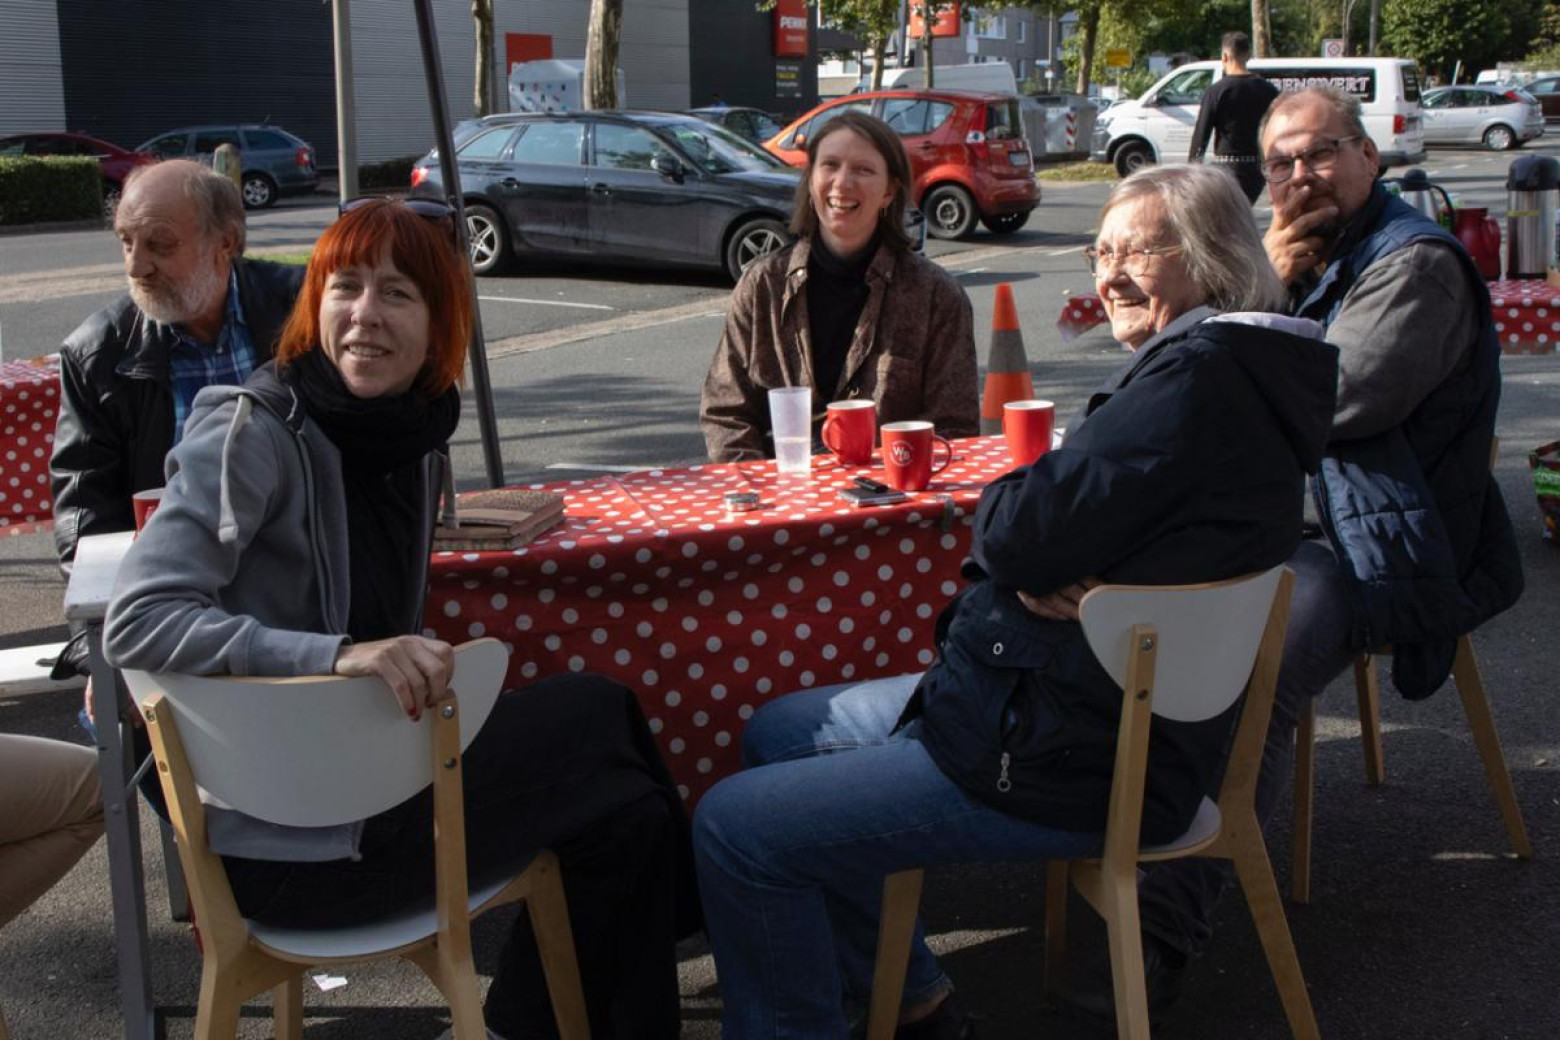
1439	33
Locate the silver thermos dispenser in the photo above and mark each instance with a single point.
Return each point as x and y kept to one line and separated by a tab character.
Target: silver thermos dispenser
1532	187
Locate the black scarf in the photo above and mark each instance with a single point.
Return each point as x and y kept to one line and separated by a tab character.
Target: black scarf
383	442
837	293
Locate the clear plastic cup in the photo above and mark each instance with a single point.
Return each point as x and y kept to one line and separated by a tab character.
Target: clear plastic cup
790	418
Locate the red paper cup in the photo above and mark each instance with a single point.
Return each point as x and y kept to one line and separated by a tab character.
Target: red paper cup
849	429
907	454
1028	427
144	504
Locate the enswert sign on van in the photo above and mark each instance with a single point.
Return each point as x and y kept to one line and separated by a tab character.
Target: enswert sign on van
1359	82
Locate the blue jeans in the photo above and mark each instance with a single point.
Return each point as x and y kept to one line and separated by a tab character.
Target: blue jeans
792	853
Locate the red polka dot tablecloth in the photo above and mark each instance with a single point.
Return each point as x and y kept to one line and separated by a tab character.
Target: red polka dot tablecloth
29	401
1079	315
707	614
1527	316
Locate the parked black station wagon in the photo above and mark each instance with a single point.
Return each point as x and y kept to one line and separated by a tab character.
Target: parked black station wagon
637	187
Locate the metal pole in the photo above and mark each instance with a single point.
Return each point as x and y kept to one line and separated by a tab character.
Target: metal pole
346	104
449	171
1375	24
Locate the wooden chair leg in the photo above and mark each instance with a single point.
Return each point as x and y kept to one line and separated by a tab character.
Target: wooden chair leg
287	1008
216	1016
1120	908
1246	848
555	942
1055	924
1367	688
896	927
1476	704
1305	787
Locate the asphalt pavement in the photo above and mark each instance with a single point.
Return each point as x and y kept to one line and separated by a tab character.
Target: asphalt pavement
1421	925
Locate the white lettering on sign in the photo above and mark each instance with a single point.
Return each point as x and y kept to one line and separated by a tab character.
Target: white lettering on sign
1361	85
788	22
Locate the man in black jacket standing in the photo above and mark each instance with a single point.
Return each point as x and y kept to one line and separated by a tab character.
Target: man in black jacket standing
1234	107
197	314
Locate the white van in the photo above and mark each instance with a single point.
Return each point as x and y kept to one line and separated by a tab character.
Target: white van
1157	127
992	77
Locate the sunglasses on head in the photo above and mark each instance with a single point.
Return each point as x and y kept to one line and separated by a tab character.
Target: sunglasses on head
436	210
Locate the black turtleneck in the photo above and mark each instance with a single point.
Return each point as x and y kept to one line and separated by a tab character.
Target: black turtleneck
836	293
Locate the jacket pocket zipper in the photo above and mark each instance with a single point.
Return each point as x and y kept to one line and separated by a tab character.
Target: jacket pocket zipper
1004	785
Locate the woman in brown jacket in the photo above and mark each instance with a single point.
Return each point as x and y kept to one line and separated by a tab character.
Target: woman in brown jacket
848	309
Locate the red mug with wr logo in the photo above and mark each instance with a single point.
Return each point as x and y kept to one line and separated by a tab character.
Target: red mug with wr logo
849	428
907	454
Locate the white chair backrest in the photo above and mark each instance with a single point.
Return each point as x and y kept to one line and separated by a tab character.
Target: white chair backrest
316	750
1208	638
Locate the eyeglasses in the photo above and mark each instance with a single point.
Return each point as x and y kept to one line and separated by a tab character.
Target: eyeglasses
1133	261
1317	157
435	210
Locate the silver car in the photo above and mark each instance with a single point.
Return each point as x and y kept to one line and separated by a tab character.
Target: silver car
1500	117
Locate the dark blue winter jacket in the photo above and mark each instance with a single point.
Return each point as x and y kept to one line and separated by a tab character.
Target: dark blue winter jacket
1189	467
1418	522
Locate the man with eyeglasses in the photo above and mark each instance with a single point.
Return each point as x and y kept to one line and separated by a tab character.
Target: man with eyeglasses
1418	547
197	314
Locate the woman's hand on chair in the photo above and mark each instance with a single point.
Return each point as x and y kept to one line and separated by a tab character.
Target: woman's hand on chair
416	669
1062	604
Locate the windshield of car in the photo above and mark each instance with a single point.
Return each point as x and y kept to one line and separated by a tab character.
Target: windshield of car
718	150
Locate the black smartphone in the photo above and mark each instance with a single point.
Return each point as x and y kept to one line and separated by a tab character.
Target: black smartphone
864	497
869	484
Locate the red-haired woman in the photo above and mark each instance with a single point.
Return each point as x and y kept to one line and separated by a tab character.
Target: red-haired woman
293	539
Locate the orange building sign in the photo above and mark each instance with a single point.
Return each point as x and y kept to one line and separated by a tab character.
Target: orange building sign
946	22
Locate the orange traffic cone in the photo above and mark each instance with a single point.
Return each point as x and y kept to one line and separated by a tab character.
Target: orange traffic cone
1007	367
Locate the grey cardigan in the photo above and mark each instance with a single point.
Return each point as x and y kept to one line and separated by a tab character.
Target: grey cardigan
243	570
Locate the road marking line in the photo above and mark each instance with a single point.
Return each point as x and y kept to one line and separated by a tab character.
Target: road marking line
973	270
631	321
594	466
548	303
1064	252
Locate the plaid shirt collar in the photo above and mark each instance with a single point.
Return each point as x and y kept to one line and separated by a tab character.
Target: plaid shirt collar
193	365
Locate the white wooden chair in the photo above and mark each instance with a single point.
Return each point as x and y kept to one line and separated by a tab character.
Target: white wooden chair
1367	691
323	750
1185	653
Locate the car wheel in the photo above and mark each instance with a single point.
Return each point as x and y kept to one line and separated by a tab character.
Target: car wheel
754	239
1499	138
1130	158
950	212
259	191
1006	223
489	239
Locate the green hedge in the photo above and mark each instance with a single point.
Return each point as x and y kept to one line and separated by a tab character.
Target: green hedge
390	175
50	188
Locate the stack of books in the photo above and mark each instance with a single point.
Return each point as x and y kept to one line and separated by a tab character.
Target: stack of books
504	518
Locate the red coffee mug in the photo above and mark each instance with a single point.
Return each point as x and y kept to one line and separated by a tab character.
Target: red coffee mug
143	504
1028	427
849	428
907	454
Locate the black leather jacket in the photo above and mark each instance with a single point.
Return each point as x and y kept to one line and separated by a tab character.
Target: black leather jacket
116	410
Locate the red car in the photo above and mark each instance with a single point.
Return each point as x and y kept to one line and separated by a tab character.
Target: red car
116	162
967	154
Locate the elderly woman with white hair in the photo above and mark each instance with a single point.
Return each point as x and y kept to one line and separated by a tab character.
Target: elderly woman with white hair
1188	465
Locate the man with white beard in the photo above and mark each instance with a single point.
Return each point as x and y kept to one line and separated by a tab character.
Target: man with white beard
197	314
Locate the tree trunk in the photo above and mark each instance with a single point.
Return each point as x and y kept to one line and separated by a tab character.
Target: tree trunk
879	53
482	93
601	53
1261	30
1091	32
928	20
